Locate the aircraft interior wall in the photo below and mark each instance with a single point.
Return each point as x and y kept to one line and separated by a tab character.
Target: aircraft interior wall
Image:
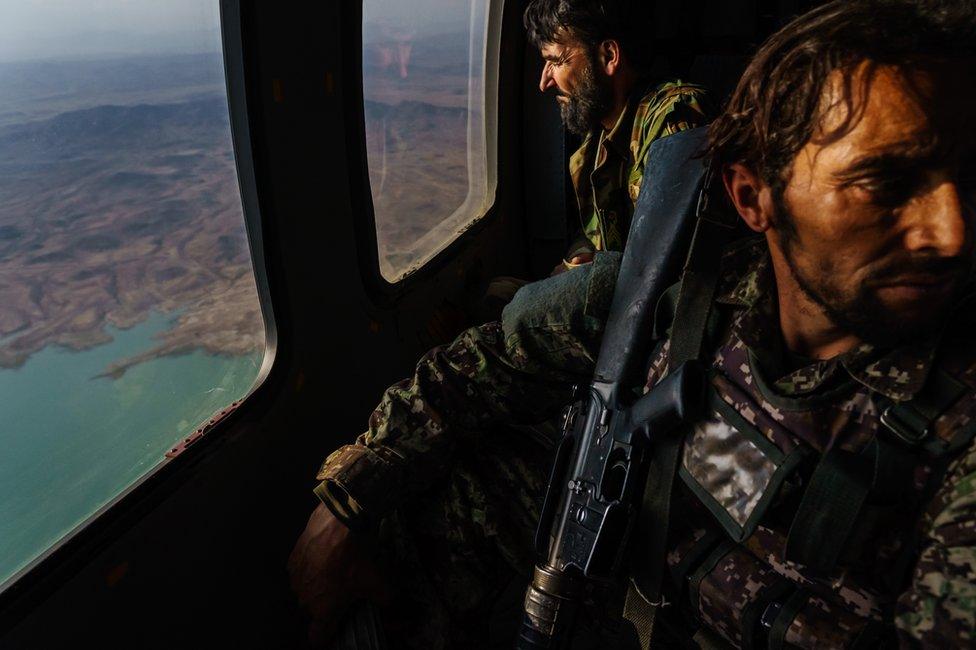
194	556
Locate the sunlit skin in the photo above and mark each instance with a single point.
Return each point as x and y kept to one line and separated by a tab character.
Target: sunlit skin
566	62
883	216
326	583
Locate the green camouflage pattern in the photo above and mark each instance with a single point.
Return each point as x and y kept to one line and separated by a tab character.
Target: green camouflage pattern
713	456
898	375
614	161
820	623
484	390
454	468
458	555
516	372
726	592
940	609
732	471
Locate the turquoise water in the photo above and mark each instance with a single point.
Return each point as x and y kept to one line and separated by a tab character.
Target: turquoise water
69	443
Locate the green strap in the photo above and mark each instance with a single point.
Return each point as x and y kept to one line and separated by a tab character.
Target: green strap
783	621
829	508
698	282
912	421
704	569
751	623
899	574
842	481
694	557
652	525
828	513
640	614
650	538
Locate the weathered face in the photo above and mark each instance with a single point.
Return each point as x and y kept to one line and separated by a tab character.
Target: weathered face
880	221
583	92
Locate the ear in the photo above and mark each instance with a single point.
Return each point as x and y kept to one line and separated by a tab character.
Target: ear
609	56
751	196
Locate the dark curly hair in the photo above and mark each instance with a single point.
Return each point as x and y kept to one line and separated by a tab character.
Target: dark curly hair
592	22
776	107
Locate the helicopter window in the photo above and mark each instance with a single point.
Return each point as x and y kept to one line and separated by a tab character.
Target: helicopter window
429	128
130	309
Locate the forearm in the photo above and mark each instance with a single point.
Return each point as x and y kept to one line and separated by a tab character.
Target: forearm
521	372
460	390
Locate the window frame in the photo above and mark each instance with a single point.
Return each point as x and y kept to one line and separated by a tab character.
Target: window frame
33	583
377	286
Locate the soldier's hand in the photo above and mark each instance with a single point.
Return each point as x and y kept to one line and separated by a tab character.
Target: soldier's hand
576	260
329	569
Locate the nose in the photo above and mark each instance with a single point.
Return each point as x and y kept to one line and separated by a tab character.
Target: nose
546	81
942	223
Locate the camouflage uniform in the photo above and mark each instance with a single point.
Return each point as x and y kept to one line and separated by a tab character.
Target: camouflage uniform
743	486
520	371
614	161
607	171
482	495
442	461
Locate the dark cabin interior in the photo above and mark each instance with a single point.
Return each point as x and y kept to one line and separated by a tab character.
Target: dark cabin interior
194	555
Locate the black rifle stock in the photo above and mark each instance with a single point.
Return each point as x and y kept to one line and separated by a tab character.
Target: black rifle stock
600	466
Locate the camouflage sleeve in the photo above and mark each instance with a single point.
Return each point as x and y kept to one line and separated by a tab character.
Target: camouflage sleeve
519	371
675	107
939	609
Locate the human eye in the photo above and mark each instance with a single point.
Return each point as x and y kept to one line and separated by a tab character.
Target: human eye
887	189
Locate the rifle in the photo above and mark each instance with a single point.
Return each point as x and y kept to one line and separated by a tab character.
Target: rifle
597	482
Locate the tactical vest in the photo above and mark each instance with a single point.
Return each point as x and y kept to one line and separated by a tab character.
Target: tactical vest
781	538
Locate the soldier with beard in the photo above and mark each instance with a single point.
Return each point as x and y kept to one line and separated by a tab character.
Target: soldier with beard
596	55
826	497
596	52
459	531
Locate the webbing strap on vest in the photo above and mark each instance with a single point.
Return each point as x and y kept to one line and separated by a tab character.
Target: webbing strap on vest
698	282
842	481
792	607
911	421
828	511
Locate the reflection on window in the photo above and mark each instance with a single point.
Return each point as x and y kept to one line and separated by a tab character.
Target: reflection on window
431	168
130	313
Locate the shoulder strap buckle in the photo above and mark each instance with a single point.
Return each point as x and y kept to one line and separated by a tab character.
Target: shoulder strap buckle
905	422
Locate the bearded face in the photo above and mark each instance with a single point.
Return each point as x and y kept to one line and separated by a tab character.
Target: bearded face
870	226
584	104
583	89
924	286
876	226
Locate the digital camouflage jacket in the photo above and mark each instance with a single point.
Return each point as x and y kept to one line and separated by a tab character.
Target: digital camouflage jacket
607	169
807	495
520	371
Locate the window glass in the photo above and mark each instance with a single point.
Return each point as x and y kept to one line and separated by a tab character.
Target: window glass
130	311
428	133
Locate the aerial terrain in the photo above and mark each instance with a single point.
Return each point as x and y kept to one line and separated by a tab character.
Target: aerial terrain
419	128
118	197
130	310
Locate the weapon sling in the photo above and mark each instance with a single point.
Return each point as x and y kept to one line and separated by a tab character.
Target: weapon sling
697	289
